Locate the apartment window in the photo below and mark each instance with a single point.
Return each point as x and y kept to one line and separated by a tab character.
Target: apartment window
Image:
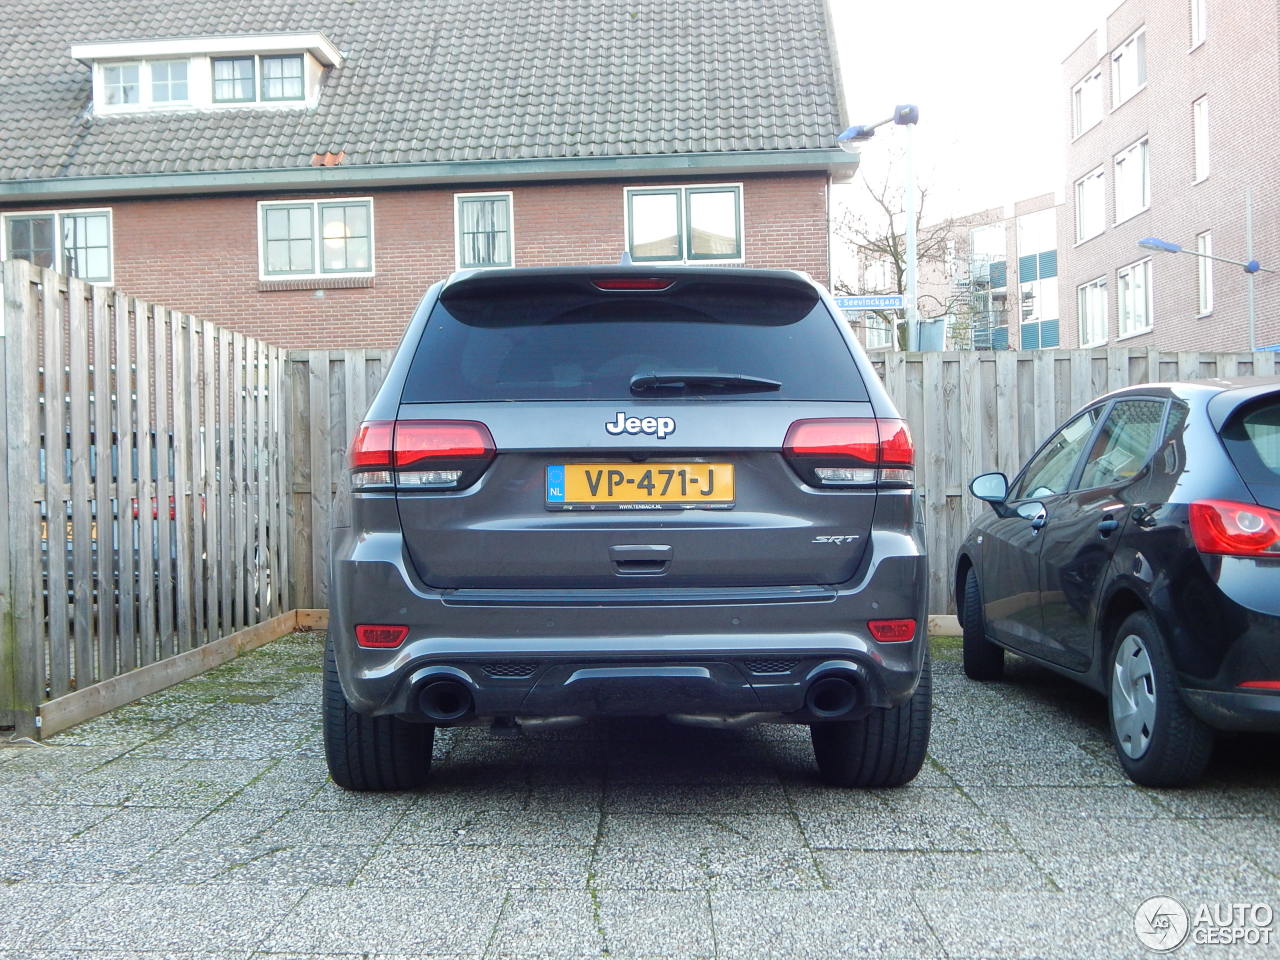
282	78
1199	16
121	83
685	223
76	242
1204	247
1200	137
1133	298
1086	103
316	238
879	331
1133	181
168	81
1091	205
233	80
1129	68
1092	308
484	228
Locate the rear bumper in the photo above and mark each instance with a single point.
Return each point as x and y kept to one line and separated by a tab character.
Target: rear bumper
626	651
1254	710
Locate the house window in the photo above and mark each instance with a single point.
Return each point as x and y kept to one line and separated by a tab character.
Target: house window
282	78
1204	247
1199	16
233	80
483	222
1133	298
168	81
120	80
316	238
1200	137
1129	68
75	242
1091	205
1086	103
879	331
681	224
1092	307
1133	181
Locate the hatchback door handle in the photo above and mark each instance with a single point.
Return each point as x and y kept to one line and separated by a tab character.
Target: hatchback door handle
1108	526
627	552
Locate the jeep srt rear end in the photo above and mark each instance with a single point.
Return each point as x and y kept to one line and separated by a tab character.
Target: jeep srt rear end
625	491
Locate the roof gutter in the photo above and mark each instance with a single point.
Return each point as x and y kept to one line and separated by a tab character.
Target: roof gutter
834	161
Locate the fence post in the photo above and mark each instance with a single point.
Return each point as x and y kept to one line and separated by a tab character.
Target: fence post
21	685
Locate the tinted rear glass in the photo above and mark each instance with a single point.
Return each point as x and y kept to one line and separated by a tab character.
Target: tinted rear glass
1253	439
543	342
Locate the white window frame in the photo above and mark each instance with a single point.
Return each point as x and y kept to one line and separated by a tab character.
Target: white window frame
1200	159
1124	309
1204	275
878	333
681	189
457	226
1138	149
1100	173
1094	77
1096	284
57	215
1129	46
317	240
1199	22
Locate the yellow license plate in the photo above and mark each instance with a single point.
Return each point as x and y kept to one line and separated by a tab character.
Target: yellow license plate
639	486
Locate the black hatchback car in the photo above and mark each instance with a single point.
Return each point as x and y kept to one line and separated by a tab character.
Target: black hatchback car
1138	552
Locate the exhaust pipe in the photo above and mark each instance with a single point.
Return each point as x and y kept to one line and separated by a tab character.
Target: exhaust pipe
833	696
445	700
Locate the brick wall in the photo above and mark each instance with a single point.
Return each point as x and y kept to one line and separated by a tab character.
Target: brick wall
1238	68
200	255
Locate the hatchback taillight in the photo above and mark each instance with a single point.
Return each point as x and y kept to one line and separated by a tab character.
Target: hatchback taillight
1235	529
850	452
420	454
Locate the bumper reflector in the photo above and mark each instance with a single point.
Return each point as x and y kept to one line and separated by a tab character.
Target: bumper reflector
379	635
892	631
1261	685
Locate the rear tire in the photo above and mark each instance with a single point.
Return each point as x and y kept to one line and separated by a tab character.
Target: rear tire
983	660
1158	740
370	753
886	748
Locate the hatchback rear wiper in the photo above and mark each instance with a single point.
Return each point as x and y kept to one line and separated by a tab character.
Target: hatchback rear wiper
699	382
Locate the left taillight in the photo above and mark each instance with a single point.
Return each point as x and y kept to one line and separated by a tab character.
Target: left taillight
1235	529
380	636
420	454
851	452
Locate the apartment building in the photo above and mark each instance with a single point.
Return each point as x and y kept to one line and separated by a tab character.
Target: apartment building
1172	113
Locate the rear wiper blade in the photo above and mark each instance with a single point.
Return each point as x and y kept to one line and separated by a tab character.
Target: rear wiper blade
697	382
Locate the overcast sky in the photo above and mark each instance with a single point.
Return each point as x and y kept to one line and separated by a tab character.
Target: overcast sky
987	77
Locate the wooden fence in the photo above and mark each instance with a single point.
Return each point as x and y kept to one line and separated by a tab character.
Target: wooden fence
142	507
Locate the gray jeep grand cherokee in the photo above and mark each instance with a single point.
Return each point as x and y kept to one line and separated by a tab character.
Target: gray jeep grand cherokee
629	491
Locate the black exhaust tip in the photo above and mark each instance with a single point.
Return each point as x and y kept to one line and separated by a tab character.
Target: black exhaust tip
832	696
445	700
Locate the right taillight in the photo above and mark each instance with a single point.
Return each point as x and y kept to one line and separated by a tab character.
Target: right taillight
1235	529
850	452
420	454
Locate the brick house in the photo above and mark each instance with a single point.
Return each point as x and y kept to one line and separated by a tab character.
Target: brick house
303	171
1172	113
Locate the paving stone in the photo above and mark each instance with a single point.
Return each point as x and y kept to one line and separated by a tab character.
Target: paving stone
29	823
656	925
76	862
914	818
333	827
550	925
445	866
1033	804
923	870
1045	926
695	798
511	827
30	911
640	831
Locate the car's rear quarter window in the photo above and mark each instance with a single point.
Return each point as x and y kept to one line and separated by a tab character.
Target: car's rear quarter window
540	341
1252	437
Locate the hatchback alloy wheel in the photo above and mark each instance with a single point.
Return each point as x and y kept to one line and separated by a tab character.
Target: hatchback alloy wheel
1133	696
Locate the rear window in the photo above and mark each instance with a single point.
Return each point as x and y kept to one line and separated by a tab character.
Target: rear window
567	341
1253	440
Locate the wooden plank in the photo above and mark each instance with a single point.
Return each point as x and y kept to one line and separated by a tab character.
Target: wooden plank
357	384
943	625
1008	455
212	433
1117	369
281	468
313	618
55	444
301	432
935	458
321	486
81	499
1188	365
103	439
1264	363
1080	371
126	482
194	349
180	351
261	477
67	711
144	415
226	354
239	462
165	384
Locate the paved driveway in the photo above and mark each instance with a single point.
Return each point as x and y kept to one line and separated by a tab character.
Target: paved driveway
199	823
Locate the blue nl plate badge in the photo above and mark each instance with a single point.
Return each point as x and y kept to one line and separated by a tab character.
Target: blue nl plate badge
555	484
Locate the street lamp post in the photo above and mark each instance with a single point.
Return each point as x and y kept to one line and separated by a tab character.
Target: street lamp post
904	115
1250	265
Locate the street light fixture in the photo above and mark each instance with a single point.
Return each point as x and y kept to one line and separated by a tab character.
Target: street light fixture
904	115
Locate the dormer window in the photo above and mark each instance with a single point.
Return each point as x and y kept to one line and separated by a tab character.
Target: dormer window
269	71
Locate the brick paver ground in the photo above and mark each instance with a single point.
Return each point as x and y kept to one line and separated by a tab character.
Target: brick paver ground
199	823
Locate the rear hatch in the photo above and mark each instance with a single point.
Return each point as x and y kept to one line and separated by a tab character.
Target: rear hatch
1252	439
627	429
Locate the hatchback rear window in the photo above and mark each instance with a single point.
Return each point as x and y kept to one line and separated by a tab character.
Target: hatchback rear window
1253	440
567	341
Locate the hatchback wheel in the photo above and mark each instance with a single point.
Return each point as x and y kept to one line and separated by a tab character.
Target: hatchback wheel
370	753
983	660
886	748
1159	741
